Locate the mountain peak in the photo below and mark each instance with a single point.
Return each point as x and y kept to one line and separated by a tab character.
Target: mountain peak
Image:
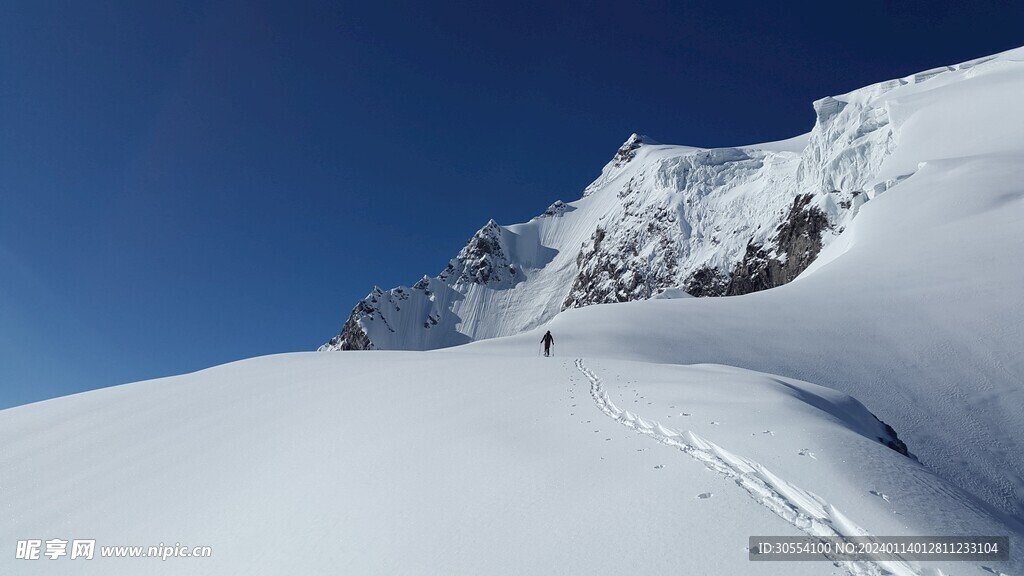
627	151
635	140
712	222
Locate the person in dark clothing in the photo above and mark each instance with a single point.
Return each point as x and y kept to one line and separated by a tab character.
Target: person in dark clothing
548	340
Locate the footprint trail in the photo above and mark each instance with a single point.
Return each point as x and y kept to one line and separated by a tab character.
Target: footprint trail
805	510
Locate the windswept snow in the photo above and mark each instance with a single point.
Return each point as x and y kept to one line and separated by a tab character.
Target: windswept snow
412	463
806	511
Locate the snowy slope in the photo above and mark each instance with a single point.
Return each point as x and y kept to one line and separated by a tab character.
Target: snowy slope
915	310
448	463
714	222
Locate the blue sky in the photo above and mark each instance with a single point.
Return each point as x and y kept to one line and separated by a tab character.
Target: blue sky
184	184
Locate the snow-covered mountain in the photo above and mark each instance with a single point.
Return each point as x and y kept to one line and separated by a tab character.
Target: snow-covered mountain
880	393
713	222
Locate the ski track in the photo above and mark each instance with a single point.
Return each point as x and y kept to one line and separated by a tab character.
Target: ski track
804	510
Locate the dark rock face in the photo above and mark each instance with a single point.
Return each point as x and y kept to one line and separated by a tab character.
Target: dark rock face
757	271
612	271
432	320
482	260
616	272
557	210
601	276
796	244
352	336
628	150
422	284
893	441
706	281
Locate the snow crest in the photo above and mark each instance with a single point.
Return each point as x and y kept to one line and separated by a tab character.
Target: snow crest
711	222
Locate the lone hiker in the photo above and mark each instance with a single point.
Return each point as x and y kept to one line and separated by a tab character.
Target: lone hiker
548	340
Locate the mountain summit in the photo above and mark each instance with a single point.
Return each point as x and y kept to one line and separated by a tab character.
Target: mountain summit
709	221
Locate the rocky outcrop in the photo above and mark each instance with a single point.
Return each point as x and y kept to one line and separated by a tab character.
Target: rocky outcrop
557	209
707	281
623	157
796	244
628	150
352	335
892	440
483	260
634	265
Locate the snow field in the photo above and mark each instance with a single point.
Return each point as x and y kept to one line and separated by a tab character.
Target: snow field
414	463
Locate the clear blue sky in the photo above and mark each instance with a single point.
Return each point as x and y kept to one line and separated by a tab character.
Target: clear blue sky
184	184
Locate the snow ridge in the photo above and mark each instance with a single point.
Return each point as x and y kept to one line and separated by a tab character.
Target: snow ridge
710	221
